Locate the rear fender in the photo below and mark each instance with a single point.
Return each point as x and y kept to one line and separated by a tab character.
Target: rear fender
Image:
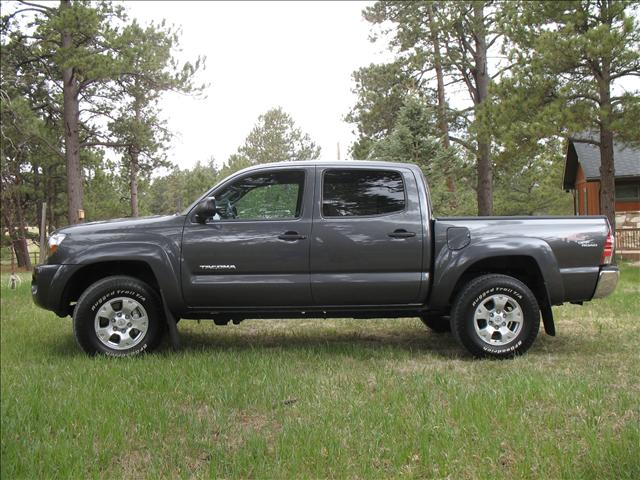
450	265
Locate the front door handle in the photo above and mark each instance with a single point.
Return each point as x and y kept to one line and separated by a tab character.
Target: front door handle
291	236
401	233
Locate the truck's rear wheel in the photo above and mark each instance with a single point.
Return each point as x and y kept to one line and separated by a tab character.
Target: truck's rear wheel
436	323
118	316
495	316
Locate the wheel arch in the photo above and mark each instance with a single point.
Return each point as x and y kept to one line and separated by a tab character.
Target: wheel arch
521	267
529	260
90	273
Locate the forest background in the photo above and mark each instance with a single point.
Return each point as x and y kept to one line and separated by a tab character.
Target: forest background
481	94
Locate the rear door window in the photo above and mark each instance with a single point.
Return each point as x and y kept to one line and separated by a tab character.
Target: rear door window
362	193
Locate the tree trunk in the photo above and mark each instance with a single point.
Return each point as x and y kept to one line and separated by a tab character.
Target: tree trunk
52	197
19	245
43	233
18	231
443	124
22	253
71	117
607	167
481	74
134	154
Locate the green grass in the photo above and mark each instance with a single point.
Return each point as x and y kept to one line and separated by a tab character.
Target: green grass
324	398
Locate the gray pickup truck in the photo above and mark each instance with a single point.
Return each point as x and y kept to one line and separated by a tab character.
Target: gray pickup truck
323	239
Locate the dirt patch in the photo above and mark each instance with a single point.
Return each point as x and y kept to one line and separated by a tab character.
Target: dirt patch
253	421
246	424
134	464
196	463
201	411
622	421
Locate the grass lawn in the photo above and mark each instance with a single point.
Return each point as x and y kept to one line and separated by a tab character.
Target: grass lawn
324	398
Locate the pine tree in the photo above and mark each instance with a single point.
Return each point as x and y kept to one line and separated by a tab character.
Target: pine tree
274	138
569	58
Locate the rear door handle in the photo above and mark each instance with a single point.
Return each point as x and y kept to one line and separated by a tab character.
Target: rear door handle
291	236
401	233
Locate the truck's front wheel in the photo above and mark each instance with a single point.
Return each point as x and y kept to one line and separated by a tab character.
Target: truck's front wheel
495	316
118	316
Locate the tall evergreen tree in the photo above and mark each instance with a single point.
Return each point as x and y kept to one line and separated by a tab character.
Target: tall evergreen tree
569	59
381	90
274	138
138	129
89	60
412	140
30	150
449	43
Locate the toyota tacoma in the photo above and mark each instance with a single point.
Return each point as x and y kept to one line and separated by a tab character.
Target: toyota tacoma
323	239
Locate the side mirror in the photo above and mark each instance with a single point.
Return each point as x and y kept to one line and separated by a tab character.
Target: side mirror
205	209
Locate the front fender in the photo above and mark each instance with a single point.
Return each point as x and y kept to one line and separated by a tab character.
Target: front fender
161	255
450	265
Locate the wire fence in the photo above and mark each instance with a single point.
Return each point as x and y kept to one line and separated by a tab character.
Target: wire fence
7	252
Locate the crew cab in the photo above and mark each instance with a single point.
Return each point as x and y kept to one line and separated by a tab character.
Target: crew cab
323	239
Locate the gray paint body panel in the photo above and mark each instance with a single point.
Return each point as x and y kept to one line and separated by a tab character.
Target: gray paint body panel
354	261
343	264
557	244
268	271
155	241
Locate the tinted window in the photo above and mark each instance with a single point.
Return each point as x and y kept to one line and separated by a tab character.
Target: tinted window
266	196
349	193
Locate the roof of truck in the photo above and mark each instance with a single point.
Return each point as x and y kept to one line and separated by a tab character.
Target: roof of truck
337	163
306	163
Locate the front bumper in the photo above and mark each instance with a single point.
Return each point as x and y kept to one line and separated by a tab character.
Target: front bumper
607	282
44	289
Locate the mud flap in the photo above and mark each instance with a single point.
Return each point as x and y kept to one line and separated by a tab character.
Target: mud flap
172	326
547	320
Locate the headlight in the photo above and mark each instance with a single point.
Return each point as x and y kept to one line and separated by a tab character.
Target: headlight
54	241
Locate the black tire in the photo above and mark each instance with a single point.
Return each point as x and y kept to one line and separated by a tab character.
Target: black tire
110	295
518	317
436	323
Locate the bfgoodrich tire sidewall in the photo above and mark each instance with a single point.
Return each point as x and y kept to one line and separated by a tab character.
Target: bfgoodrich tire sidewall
100	293
497	285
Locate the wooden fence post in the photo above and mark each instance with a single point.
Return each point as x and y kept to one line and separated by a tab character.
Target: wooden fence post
43	233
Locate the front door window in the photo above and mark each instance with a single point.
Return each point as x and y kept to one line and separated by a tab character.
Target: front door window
265	196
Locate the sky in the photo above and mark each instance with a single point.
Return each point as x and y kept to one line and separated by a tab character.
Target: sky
260	55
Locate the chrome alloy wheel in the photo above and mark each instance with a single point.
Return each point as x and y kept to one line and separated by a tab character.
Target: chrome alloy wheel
498	319
121	323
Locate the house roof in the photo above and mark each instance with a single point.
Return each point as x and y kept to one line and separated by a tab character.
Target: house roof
626	160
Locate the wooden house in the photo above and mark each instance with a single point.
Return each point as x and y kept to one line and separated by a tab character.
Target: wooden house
582	177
